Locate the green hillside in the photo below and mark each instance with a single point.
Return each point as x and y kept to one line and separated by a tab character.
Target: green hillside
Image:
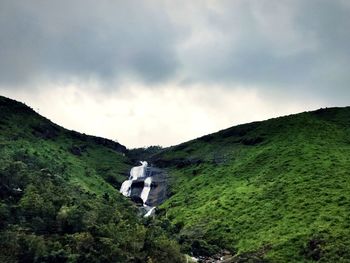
59	199
271	191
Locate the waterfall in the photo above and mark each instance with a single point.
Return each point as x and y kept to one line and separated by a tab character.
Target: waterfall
135	173
139	172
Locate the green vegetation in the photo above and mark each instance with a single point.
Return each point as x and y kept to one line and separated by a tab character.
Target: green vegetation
58	197
272	191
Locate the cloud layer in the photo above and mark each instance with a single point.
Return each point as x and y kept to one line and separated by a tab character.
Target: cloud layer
85	39
290	50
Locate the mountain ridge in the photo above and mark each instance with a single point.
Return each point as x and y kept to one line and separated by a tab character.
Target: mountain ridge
268	191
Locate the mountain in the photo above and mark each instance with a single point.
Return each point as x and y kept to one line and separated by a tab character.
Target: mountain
59	197
271	191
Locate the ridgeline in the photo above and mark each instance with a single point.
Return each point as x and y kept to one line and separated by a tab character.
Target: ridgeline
271	191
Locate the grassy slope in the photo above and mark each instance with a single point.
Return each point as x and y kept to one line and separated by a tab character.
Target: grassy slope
277	190
69	209
25	132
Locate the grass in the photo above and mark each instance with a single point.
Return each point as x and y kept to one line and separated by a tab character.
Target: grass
275	186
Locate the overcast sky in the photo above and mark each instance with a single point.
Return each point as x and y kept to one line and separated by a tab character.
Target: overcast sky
163	72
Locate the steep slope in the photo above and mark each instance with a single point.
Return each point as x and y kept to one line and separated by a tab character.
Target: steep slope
277	190
59	198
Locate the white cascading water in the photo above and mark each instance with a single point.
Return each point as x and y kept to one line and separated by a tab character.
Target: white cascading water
146	189
125	188
136	173
150	212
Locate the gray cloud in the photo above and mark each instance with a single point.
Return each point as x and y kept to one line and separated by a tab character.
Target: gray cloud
107	40
280	46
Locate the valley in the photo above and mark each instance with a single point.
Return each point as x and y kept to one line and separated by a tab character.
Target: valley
270	191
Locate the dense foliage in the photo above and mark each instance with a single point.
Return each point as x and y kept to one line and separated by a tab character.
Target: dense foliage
58	197
277	190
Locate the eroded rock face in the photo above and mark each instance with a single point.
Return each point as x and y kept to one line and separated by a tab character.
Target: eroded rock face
148	184
158	192
136	188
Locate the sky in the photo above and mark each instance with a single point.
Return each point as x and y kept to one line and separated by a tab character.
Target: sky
151	72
